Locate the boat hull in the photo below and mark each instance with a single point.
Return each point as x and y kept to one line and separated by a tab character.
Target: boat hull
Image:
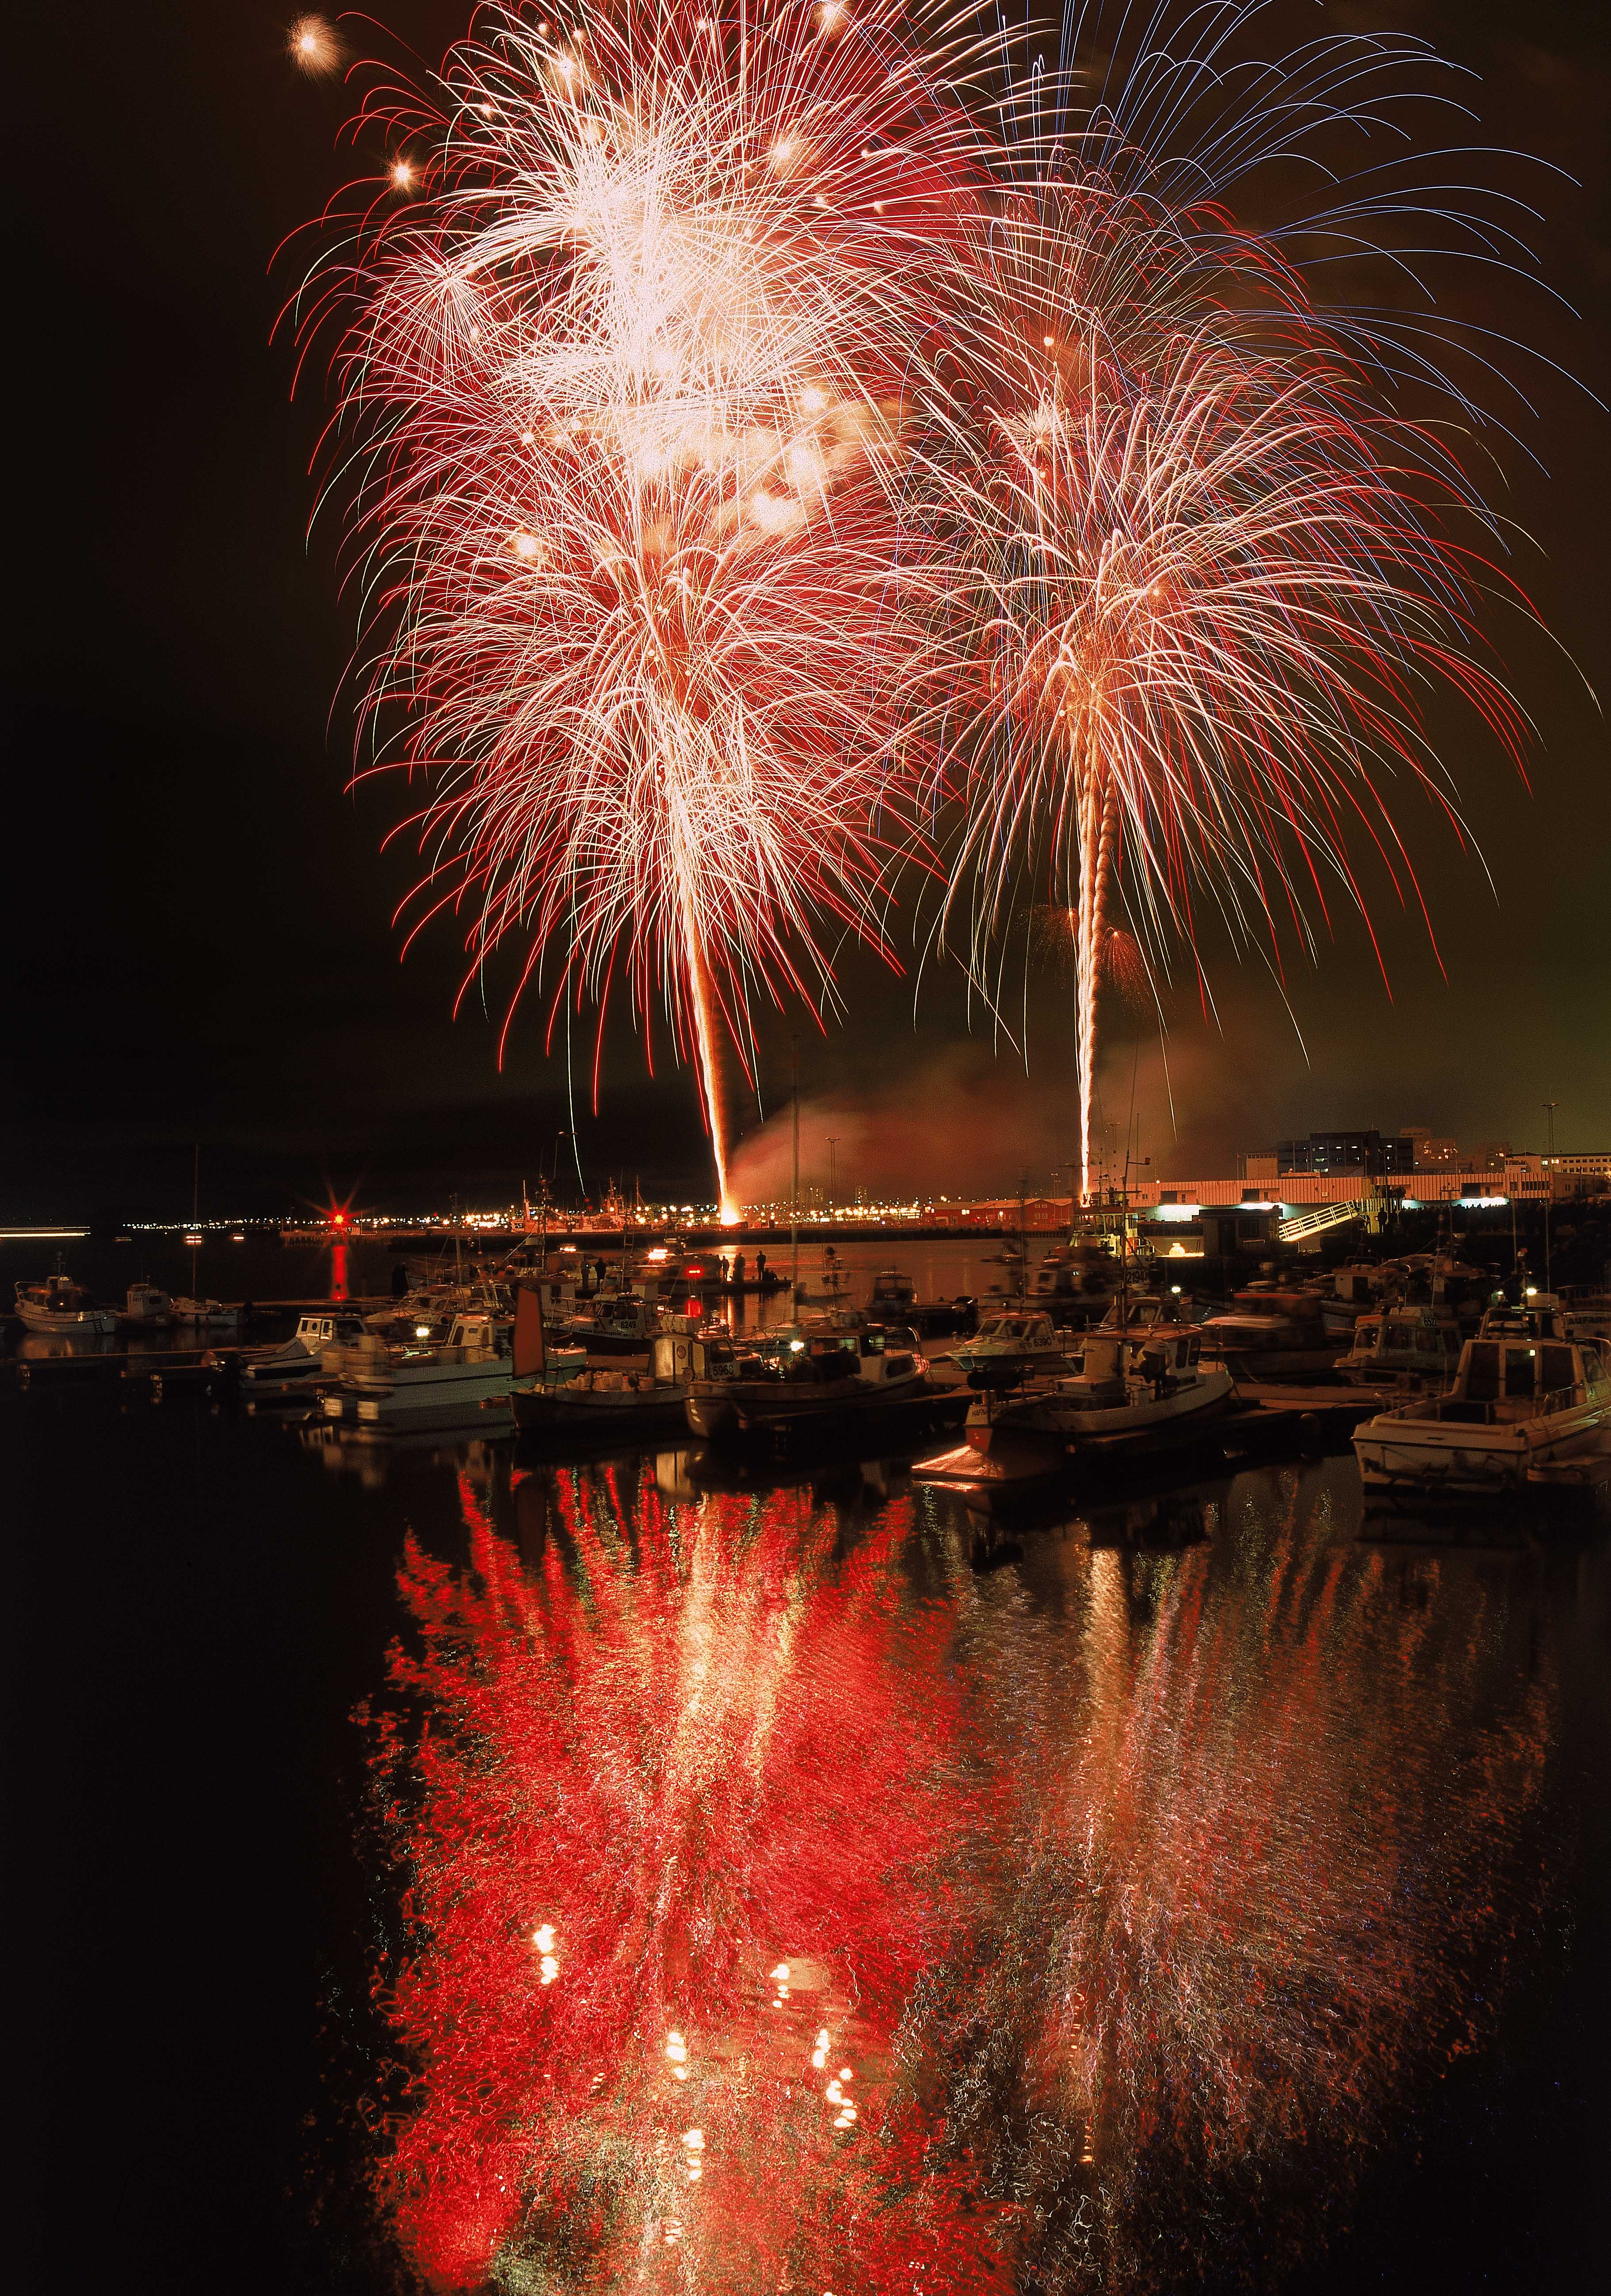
1274	1363
86	1324
1429	1456
724	1408
1057	1425
621	1416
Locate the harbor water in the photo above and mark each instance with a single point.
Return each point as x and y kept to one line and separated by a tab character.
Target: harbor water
436	1864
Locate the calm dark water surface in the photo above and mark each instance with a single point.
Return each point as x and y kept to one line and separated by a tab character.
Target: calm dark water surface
1203	1891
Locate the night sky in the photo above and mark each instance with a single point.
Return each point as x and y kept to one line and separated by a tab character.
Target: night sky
200	935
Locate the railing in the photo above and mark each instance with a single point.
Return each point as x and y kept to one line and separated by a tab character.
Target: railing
1317	1218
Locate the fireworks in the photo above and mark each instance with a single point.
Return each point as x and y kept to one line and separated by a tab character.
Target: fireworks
1205	565
314	47
628	372
758	443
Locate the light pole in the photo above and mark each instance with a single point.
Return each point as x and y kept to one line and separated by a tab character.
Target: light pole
833	1176
1549	1108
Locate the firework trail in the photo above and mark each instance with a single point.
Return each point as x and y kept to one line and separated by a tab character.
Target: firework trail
621	373
1206	571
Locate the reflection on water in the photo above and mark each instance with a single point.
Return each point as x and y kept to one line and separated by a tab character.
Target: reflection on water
786	1903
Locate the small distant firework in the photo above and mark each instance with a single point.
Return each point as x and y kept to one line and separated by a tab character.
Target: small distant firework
314	46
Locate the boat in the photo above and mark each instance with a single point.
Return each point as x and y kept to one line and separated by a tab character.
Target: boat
62	1307
1141	1389
1077	1284
608	1405
817	1375
147	1305
616	1323
1356	1291
211	1314
1142	1310
416	1313
1007	1346
278	1373
1530	1404
1396	1345
428	1383
893	1294
1271	1333
834	1281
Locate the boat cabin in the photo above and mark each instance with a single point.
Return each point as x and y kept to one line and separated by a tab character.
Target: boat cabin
685	1352
1023	1331
892	1289
1522	1376
822	1358
1104	1362
1144	1309
1395	1338
313	1333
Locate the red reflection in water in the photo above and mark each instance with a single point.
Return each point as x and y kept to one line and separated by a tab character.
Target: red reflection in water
1272	1890
337	1271
683	1824
777	1924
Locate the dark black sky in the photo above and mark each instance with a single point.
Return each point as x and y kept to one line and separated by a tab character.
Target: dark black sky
199	919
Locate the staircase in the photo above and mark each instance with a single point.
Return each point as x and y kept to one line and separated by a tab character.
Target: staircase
1317	1218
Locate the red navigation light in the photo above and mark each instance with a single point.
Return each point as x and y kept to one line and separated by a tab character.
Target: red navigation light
692	1271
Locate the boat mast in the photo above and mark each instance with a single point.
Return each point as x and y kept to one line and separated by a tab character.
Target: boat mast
195	1216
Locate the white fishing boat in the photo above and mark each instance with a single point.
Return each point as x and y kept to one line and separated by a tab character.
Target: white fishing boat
1413	1347
1146	1388
210	1315
63	1309
148	1306
426	1383
1531	1403
1009	1346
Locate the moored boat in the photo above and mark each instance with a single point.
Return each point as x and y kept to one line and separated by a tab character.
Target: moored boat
1143	1389
819	1376
148	1306
1010	1345
63	1309
615	1323
279	1373
1274	1334
606	1405
1411	1347
431	1384
211	1315
1531	1403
